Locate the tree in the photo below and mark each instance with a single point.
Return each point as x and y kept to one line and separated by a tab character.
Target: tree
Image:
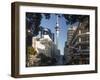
47	15
33	21
44	60
71	19
31	56
31	51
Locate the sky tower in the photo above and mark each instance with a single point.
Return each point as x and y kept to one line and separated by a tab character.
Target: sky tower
57	29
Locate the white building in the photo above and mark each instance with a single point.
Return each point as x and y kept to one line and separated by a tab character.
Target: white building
46	46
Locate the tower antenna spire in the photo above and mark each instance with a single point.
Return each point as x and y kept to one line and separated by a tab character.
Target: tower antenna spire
57	29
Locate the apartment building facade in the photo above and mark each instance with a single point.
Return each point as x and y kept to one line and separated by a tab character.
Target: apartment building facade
79	44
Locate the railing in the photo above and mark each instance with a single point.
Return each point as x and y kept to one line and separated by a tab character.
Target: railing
80	35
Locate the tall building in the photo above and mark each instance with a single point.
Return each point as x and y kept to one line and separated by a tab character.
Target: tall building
70	33
44	45
43	42
46	31
67	56
79	44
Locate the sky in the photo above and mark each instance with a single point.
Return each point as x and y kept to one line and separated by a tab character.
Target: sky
51	24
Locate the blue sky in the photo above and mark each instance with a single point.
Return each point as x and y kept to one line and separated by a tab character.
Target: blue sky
51	24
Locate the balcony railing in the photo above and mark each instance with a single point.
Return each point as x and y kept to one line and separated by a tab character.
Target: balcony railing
80	35
81	43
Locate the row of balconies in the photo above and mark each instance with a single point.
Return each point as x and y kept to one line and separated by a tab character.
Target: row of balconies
82	35
78	46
